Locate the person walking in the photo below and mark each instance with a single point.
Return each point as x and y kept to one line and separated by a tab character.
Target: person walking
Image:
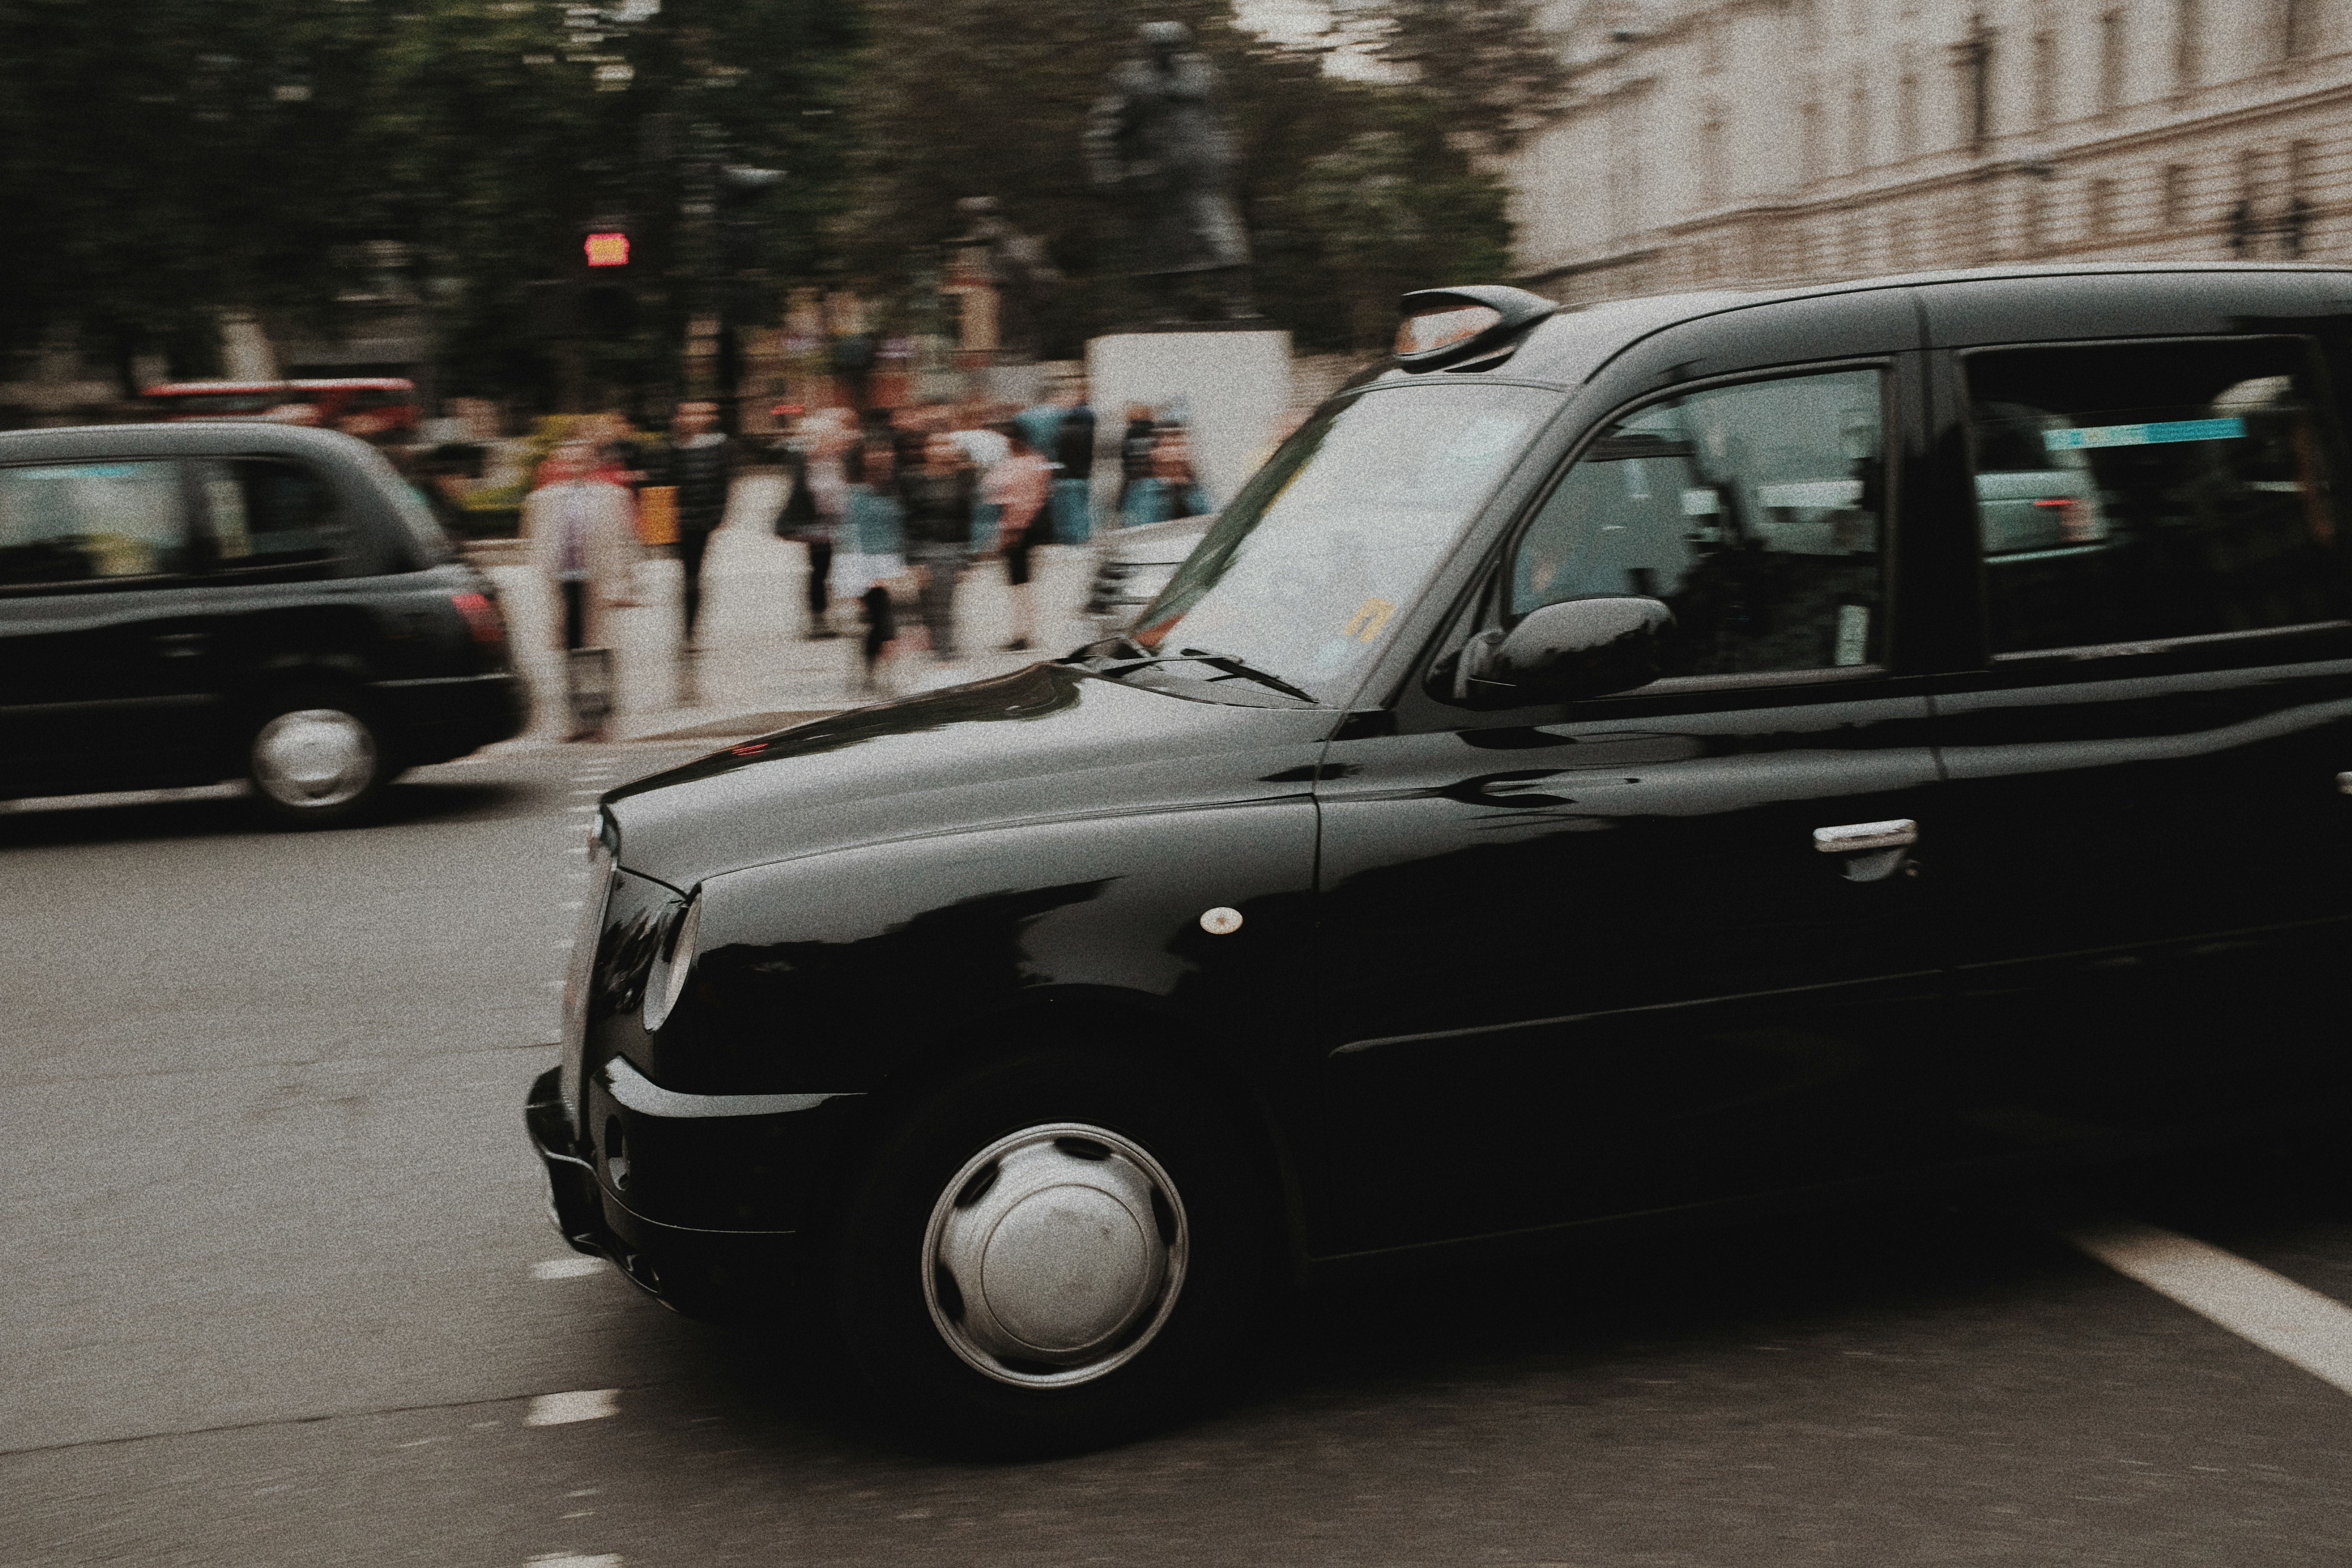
1019	487
579	532
700	466
1073	453
1134	457
937	495
816	507
872	559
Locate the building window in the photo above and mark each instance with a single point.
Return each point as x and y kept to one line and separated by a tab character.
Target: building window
1973	60
1906	116
2045	79
2037	218
1712	185
1857	130
1810	146
2173	201
2295	220
2111	61
2294	29
2188	42
2100	215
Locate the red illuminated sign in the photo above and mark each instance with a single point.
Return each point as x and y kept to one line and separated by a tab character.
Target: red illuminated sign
608	249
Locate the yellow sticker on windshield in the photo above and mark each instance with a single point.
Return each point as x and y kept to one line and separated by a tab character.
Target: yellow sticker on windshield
1369	617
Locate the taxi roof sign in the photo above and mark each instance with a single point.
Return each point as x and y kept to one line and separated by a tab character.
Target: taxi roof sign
607	249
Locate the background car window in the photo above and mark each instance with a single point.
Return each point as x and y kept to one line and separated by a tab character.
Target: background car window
268	513
1754	511
2135	492
84	521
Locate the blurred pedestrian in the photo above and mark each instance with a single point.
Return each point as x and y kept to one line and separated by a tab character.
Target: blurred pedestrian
1135	446
620	456
937	495
984	448
1170	488
1019	487
578	530
699	465
817	503
871	560
1073	453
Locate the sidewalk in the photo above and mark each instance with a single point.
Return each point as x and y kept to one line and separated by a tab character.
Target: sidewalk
758	673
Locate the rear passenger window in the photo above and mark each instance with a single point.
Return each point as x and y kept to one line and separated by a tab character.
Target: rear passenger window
270	514
2142	492
1754	511
84	523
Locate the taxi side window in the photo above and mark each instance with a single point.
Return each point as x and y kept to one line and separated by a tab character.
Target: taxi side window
270	514
1754	511
2130	493
67	523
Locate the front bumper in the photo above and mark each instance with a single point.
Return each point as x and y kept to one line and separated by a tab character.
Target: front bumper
703	1273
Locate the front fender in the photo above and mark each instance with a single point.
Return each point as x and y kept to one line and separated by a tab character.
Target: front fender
828	974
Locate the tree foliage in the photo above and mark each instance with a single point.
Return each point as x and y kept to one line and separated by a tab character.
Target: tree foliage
963	98
1489	69
163	160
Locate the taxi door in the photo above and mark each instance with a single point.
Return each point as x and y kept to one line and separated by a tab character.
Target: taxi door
1657	948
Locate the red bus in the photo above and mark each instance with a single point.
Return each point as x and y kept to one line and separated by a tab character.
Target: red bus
376	406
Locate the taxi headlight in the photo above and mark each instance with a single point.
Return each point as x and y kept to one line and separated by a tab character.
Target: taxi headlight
667	982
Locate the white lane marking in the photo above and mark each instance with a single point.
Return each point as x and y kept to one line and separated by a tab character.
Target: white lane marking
579	1405
566	1267
2293	1323
573	1559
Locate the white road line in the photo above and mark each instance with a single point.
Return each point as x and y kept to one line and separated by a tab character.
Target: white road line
566	1267
579	1405
2295	1324
572	1559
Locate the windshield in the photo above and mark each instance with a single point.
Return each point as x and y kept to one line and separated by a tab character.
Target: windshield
1307	569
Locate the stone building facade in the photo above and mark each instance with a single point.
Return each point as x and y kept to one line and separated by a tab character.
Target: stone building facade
1737	143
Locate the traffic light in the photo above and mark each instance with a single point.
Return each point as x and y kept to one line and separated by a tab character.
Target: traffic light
607	303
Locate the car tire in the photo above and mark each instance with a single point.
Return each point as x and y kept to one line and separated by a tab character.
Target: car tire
1052	1253
315	757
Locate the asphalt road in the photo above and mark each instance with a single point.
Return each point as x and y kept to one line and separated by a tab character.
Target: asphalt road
278	1288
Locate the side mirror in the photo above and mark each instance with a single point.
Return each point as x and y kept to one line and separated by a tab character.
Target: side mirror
1558	653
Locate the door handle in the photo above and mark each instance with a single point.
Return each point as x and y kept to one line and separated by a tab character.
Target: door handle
1854	838
182	644
1874	850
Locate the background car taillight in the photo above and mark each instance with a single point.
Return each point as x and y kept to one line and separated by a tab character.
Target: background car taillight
483	621
485	625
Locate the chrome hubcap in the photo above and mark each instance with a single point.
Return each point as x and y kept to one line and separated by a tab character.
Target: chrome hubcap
1055	1256
313	756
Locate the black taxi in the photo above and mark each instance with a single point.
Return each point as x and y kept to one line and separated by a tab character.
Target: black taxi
188	603
1609	761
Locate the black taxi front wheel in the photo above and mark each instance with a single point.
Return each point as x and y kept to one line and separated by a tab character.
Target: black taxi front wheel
1051	1254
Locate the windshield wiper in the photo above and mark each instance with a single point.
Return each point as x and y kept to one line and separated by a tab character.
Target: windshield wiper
1232	664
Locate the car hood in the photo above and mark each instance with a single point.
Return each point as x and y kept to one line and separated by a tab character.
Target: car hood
1048	741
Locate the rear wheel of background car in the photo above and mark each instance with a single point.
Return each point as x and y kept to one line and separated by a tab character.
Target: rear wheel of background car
315	758
1052	1253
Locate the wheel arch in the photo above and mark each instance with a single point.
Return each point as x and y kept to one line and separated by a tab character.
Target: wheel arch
1150	1032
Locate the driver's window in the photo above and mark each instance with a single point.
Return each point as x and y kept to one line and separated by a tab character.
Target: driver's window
1754	511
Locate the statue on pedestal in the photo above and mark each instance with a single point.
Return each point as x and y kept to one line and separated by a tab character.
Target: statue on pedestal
1155	142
